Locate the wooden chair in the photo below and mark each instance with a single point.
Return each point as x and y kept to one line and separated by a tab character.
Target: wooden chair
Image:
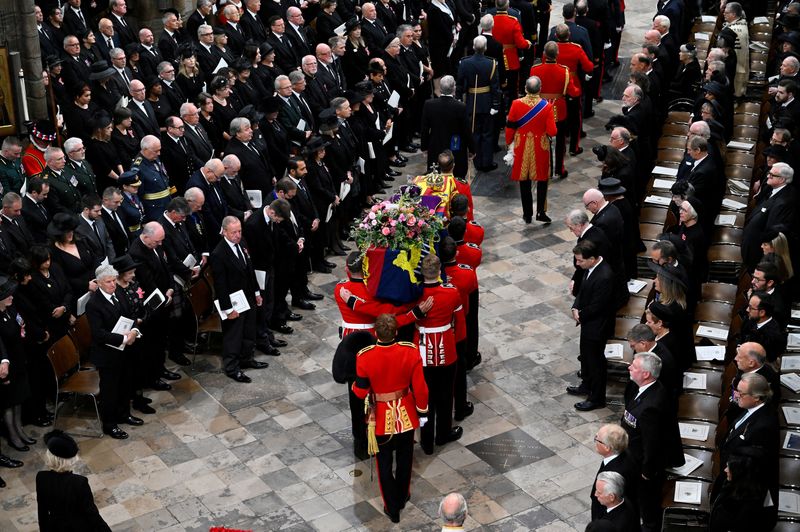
724	262
675	130
787	524
81	335
674	156
668	498
623	325
753	108
653	215
739	172
738	221
789	476
207	320
644	293
718	292
713	382
679	117
70	378
727	235
714	312
740	158
650	231
672	143
698	407
745	133
704	472
634	308
787	452
708	444
745	120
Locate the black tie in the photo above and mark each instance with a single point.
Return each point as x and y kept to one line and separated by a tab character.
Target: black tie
181	143
97	232
127	81
110	43
116	219
239	253
80	16
114	299
42	209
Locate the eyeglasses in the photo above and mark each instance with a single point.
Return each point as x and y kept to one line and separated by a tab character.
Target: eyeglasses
737	392
78	149
206	34
771	174
589	203
598	440
177	127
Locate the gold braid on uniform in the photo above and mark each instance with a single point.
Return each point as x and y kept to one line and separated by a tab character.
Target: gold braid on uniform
372	440
528	167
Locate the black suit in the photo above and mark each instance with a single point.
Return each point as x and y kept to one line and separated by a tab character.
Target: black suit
149	60
173	96
236	38
444	126
177	246
777	213
74	24
629	469
623	517
253	28
770	335
231	274
734	411
103	316
285	55
47	42
303	46
610	221
207	59
168	46
36	218
709	187
374	33
598	237
102	45
180	161
277	138
18	233
198	139
235	196
597	324
193	23
74	72
215	207
117	232
65	502
255	172
99	240
144	124
654	443
125	29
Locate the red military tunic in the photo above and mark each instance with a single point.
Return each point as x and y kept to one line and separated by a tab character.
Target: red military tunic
556	84
32	160
531	142
508	32
393	374
474	233
573	57
360	311
469	254
437	332
465	280
463	188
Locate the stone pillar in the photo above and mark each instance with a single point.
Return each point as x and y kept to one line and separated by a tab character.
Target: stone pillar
18	26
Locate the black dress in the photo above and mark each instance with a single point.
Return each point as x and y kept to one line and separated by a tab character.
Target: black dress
127	146
191	87
266	76
79	271
66	504
14	390
78	120
162	109
326	24
355	62
214	130
223	114
47	294
104	157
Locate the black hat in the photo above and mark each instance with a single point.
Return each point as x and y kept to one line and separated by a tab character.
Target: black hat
124	263
242	64
219	31
662	312
44	130
53	61
272	105
792	37
611	186
364	87
351	24
315	144
264	48
130	177
328	120
715	88
375	68
131	48
61	444
353	97
688	47
101	70
729	35
251	113
388	40
7	287
100	120
668	271
769	236
185	51
696	204
776	151
217	83
789	20
62	223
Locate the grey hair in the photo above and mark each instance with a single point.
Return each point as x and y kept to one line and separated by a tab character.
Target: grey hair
204	3
447	85
163	64
757	386
759	355
280	79
487	22
237	124
110	192
402	28
533	85
228	220
10	199
641	333
51	153
662	20
785	171
11	142
502	5
615	483
149	142
105	270
71	143
793	62
577	217
637	91
624	134
698	143
203	28
459	515
479	44
58	464
295	76
616	438
166	16
193	194
150	228
231	159
651	363
702	127
690	210
116	52
685	50
185	107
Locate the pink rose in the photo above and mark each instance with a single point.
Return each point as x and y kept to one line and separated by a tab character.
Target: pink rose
393	223
374	208
412	220
371	216
402	217
385	231
421	223
374	223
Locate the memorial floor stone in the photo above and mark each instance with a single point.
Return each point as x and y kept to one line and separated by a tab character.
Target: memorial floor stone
510	450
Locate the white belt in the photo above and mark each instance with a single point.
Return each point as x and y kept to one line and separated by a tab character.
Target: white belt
431	330
357	326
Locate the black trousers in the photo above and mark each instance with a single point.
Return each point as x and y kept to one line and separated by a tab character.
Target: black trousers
526	194
440	380
156	338
574	121
561	146
460	383
395	485
650	502
594	368
264	312
114	401
482	135
512	83
472	328
280	308
238	340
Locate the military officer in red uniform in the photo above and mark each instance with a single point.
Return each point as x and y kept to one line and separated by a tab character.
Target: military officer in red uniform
459	206
529	125
436	337
557	84
390	373
359	309
467	252
508	32
466	282
572	56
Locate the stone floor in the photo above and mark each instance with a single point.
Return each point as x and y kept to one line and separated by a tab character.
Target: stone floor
276	454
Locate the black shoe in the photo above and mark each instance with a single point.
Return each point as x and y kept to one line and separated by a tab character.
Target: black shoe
541	217
2	483
455	434
28	441
304	305
328	264
576	152
239	376
6	461
400	157
489	168
254	364
276	342
528	219
425	449
294	317
577	390
469	408
476	361
393	173
313	296
394	517
583	134
599	99
143	408
283	328
563	175
21	448
585	406
361	452
408	149
397	164
498	149
116	433
170	375
338	252
181	359
590	114
579	373
161	385
321	269
133	420
343	246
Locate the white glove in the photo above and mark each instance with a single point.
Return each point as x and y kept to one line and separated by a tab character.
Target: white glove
508	158
123	102
493	112
587	77
422	421
606	46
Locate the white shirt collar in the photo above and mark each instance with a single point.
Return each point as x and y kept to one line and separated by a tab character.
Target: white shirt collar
607	460
168	220
642	389
588	226
759	325
596	264
87	220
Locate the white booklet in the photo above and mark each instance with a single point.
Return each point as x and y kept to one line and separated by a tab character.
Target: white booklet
613	351
725	219
635	286
693	431
301	125
761	20
123	327
370	150
154	300
255	198
789	363
698	36
339	30
344	190
708	18
665	170
735	205
742	186
261	279
190	261
789	502
329	214
394	99
795	314
387	137
694	381
360	164
792	414
238	303
82	303
791	381
658	200
792	441
737	145
690	464
663	184
688	492
715	333
793	340
220	65
706	353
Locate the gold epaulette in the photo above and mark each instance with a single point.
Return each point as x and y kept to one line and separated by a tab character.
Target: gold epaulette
408	344
365	350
